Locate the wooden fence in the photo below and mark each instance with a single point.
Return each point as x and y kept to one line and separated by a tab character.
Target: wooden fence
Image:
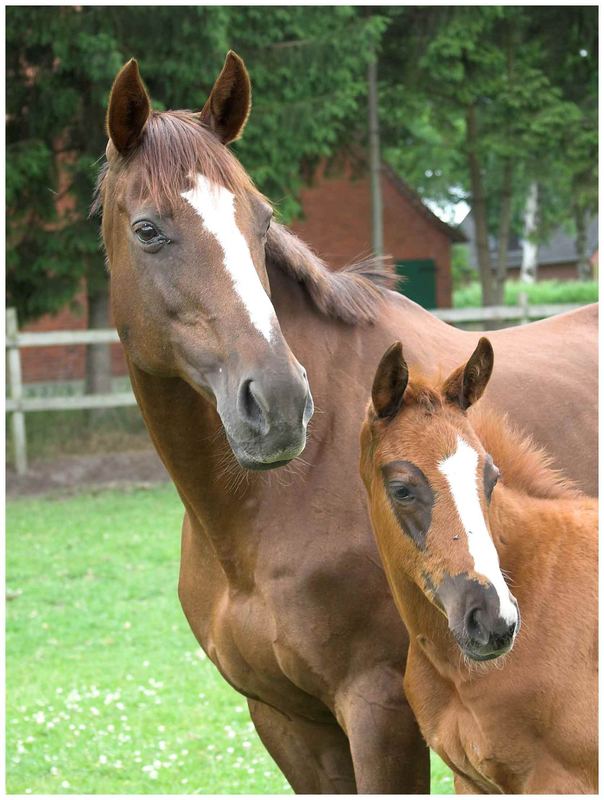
19	405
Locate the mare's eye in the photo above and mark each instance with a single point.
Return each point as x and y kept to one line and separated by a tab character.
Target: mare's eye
401	493
147	233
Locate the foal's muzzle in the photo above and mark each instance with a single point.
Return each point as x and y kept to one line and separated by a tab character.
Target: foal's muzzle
486	639
475	618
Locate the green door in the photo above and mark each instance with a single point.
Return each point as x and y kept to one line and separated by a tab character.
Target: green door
420	281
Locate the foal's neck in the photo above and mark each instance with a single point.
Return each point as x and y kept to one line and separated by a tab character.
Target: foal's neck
542	545
535	536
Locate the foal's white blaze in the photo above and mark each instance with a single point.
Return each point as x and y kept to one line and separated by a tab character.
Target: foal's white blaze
460	470
215	204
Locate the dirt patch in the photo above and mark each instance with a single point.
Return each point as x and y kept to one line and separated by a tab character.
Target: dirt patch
72	474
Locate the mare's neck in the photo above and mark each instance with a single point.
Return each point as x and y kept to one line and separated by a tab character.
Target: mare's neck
221	499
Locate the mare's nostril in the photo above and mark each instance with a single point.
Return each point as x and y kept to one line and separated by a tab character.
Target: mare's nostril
253	406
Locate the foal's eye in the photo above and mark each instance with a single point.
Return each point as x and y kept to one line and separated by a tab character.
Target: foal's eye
401	493
491	476
147	233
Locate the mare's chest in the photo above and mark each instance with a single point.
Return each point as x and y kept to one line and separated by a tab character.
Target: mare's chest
275	626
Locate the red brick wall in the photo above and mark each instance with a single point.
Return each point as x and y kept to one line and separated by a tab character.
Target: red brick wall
65	362
337	225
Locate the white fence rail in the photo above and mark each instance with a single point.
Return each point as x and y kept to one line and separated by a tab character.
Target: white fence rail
521	313
18	405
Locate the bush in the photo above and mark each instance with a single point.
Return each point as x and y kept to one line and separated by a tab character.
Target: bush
543	292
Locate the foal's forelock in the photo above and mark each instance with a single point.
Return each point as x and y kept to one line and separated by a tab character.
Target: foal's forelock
461	472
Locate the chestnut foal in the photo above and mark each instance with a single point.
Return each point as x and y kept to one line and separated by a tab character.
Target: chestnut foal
526	722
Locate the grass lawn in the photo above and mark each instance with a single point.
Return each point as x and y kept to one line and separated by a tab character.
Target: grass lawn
107	691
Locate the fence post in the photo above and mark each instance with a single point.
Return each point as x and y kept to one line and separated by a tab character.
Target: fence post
16	391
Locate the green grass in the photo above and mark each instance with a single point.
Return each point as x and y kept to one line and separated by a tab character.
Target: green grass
542	292
107	691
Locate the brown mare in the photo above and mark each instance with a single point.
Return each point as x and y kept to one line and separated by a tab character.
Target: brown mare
218	308
443	525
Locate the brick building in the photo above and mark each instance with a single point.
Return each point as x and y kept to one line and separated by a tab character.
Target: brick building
337	224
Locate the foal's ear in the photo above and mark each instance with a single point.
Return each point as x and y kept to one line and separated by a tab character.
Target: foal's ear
467	383
390	382
230	101
129	108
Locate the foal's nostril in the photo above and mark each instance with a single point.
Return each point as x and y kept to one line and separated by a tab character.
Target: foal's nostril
253	406
502	639
475	627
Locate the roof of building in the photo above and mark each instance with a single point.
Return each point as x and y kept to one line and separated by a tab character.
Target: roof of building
560	248
456	234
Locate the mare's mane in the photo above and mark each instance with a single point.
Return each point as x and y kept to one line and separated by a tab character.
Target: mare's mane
352	295
175	145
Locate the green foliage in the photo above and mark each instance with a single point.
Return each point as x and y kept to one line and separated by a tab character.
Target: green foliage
470	296
107	690
308	71
461	270
307	66
529	73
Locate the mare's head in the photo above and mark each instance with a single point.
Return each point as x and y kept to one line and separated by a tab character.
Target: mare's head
185	232
430	484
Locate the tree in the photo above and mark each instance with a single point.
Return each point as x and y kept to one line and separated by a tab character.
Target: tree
481	102
573	61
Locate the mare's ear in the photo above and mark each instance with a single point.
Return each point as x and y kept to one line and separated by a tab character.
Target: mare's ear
129	108
230	101
390	382
467	383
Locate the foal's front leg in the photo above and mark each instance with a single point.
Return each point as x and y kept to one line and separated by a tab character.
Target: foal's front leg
465	786
389	753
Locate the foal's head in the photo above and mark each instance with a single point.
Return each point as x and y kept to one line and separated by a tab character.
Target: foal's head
185	232
430	484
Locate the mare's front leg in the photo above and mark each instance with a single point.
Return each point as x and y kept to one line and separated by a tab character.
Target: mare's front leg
389	753
313	756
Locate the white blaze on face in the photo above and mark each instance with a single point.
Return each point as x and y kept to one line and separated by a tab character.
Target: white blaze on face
216	206
460	470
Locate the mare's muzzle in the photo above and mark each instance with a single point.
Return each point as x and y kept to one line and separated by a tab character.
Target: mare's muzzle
266	413
475	617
